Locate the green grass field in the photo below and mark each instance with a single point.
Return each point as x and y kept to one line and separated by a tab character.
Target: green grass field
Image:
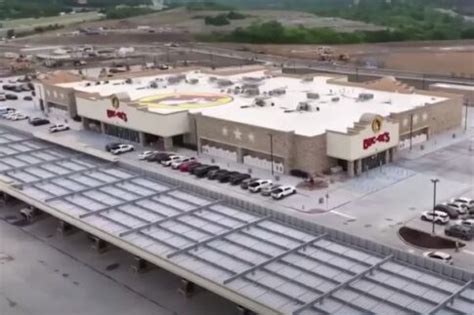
30	23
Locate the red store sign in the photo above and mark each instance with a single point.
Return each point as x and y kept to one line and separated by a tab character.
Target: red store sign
384	137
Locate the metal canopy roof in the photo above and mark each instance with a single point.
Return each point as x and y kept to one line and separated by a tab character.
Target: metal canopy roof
251	257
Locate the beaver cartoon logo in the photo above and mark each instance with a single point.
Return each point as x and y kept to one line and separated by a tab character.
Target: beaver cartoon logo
115	111
185	100
377	124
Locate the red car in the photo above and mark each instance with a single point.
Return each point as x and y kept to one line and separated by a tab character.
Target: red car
186	167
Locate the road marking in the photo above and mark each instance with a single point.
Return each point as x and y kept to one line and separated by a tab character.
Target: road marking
468	252
342	214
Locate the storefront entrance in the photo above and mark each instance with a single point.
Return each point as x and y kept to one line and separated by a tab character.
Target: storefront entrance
122	133
373	161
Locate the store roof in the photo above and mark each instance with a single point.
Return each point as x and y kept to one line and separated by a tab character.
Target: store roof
333	106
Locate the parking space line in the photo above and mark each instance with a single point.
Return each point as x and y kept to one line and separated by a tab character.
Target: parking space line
468	252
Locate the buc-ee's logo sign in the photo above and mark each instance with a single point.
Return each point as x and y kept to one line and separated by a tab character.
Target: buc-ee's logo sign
115	111
376	125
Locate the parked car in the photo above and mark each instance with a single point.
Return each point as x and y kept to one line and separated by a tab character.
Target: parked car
464	200
246	182
27	98
214	173
440	256
145	154
176	164
122	148
6	110
38	121
259	184
189	166
171	159
201	171
267	191
17	116
113	145
11	97
158	157
438	217
237	179
459	207
58	128
452	213
283	192
225	178
460	231
2	98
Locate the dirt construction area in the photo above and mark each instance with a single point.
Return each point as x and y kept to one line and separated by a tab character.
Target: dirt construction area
443	57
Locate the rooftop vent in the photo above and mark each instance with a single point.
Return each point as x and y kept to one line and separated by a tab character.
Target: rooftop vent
193	81
277	92
365	96
312	95
224	83
335	99
308	79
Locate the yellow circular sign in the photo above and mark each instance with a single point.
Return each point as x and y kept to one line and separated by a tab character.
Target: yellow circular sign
377	124
185	100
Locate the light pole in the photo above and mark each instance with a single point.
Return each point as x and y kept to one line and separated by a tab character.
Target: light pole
271	150
435	181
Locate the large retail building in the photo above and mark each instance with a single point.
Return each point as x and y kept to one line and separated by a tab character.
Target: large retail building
260	116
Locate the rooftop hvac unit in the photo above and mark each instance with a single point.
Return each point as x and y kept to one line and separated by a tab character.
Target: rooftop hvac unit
212	79
176	79
312	96
365	96
260	102
224	82
252	91
277	92
193	81
253	79
153	85
308	79
335	99
303	107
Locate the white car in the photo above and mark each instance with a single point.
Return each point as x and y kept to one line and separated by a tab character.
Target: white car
176	164
17	116
440	256
58	128
438	217
258	185
145	154
171	159
468	202
283	191
459	207
122	148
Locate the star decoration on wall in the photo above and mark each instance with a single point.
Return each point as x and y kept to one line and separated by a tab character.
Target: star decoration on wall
251	137
238	134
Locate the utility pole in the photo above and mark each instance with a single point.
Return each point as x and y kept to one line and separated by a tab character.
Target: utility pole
435	181
411	131
466	104
271	149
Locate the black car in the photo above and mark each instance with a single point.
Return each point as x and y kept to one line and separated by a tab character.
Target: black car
11	97
460	231
246	182
225	178
201	171
193	166
237	179
158	157
27	98
452	213
214	174
38	121
110	146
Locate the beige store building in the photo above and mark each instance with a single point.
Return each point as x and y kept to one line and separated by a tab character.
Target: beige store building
268	120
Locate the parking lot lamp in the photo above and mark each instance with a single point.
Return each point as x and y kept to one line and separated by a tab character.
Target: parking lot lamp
435	182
